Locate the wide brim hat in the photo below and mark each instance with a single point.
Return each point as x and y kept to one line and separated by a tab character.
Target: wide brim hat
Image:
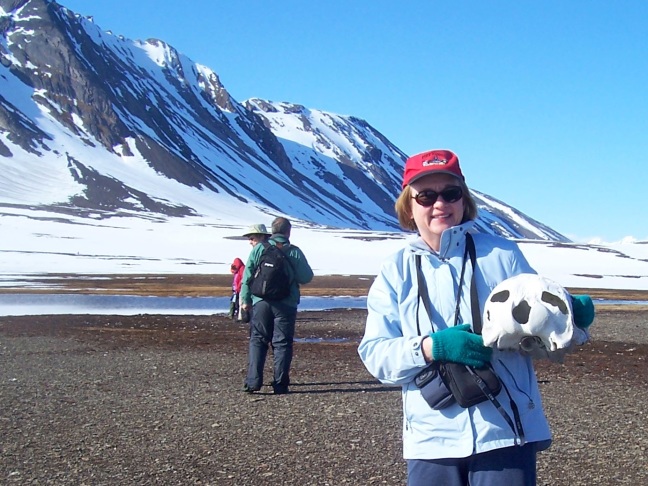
431	162
256	229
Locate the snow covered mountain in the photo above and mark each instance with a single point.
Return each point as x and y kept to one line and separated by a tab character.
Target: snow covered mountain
98	126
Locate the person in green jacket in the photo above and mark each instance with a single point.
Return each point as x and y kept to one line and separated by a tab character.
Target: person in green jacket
273	321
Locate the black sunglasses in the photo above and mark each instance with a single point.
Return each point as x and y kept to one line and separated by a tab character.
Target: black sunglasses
428	197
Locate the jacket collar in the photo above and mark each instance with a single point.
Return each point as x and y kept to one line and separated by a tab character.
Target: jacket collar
452	240
279	238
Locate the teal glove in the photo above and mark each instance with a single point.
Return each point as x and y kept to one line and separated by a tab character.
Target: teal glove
583	310
459	345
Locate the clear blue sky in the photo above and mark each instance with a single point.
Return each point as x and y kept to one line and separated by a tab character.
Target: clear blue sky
545	102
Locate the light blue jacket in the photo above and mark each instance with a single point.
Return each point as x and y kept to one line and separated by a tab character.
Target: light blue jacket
391	346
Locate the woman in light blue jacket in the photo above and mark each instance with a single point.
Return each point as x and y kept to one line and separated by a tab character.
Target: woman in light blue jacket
453	446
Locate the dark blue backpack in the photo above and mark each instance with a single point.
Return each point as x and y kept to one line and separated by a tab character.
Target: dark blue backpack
271	279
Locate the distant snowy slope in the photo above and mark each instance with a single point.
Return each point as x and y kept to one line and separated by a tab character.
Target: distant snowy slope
499	218
40	245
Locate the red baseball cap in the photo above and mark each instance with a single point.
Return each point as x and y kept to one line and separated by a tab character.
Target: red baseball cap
438	161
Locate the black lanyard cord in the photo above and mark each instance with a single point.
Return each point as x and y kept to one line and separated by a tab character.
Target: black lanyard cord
474	302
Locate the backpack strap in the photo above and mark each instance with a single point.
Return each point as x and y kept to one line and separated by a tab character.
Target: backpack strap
281	247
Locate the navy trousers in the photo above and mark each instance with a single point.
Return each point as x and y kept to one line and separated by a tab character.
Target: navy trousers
272	323
510	466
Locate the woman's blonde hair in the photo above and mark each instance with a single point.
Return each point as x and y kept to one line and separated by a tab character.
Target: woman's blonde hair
404	203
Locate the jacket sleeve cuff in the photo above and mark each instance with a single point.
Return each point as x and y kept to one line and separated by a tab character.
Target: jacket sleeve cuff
416	349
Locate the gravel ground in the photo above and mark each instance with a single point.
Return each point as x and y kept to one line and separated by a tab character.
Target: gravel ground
103	400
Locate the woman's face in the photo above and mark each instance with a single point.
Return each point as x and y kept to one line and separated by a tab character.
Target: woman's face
432	220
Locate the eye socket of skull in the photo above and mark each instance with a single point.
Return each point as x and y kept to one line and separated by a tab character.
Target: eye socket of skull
501	296
554	300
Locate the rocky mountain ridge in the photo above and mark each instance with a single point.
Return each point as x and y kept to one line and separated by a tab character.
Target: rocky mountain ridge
99	125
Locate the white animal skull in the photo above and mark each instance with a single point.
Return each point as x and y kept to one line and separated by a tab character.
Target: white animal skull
532	314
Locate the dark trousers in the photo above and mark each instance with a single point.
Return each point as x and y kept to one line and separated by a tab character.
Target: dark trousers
234	306
272	322
510	466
